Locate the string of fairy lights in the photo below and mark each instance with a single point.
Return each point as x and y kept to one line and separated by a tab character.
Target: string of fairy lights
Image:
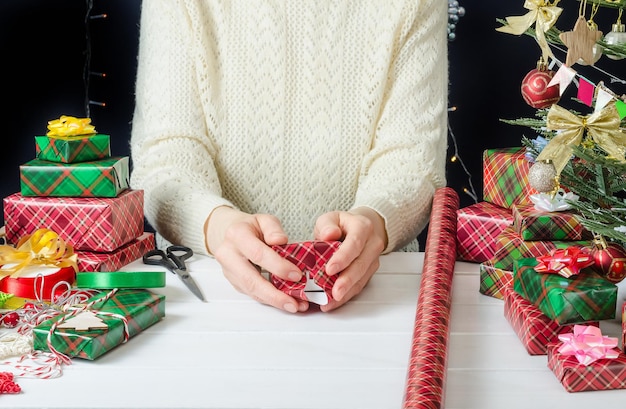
87	72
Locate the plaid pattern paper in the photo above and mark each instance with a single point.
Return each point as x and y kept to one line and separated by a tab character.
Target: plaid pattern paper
103	178
477	228
505	177
494	281
603	374
90	261
311	258
623	326
91	224
73	149
532	224
533	327
579	299
140	307
512	247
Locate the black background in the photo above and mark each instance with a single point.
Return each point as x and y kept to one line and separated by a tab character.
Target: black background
43	45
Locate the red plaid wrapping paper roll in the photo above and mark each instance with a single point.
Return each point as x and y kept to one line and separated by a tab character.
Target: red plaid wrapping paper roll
311	258
427	366
478	226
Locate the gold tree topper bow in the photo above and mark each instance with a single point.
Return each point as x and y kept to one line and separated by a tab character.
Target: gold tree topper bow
544	14
68	126
601	126
44	247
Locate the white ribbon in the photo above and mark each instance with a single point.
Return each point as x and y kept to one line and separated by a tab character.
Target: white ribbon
545	202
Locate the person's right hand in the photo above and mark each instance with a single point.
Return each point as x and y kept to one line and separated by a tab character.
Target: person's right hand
241	242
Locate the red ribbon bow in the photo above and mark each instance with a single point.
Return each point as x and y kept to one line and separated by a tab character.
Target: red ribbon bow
310	257
565	262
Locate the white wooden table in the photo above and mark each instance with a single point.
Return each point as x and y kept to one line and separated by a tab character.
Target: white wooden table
235	353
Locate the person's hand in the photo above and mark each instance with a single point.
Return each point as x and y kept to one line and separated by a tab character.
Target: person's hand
240	243
364	237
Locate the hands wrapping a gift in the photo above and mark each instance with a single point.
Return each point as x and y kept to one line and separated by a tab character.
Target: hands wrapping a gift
241	243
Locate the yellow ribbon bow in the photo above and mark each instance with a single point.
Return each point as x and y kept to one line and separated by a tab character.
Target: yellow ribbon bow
602	126
544	14
68	126
44	247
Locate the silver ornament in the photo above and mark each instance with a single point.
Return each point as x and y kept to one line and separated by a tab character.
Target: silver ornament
542	176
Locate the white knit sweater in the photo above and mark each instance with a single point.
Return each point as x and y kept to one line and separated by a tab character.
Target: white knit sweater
290	107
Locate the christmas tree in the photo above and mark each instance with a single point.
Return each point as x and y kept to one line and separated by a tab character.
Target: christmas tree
581	142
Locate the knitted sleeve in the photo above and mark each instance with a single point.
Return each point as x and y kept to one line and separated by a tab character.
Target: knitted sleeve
171	149
407	161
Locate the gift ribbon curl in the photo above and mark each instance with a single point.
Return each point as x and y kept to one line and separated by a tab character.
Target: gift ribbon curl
541	12
588	344
69	126
44	247
602	126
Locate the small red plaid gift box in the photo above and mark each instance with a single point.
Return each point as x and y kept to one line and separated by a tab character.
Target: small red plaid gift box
505	177
91	261
478	226
493	280
86	223
533	327
311	258
532	224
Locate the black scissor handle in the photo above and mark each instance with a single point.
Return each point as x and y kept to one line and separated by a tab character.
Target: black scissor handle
178	255
156	258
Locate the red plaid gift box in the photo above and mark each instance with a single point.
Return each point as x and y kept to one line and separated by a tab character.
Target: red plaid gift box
477	228
624	327
92	261
311	258
512	247
533	327
494	281
92	224
505	177
603	374
534	224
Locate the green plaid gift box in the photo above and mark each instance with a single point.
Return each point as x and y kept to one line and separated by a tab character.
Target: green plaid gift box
510	247
579	299
140	308
505	177
74	148
494	281
533	224
103	178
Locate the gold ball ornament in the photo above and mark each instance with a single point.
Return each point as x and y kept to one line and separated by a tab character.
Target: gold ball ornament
542	176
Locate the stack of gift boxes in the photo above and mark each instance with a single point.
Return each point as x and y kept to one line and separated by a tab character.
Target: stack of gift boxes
506	235
76	189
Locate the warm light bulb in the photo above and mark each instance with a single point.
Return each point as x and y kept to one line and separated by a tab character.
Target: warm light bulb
453	158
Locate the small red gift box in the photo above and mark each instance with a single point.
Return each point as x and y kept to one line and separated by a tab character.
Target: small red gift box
505	177
533	224
311	258
603	374
478	226
493	280
90	261
92	224
533	327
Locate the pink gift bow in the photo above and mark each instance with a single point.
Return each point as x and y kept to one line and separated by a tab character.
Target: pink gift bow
588	344
565	262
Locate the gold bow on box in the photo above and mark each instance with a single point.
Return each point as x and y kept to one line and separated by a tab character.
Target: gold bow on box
543	13
44	247
602	126
69	126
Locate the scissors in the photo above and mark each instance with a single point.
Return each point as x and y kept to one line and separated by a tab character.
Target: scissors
173	258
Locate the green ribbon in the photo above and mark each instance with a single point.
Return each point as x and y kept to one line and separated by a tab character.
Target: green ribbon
120	279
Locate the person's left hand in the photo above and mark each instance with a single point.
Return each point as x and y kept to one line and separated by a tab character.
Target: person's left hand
363	235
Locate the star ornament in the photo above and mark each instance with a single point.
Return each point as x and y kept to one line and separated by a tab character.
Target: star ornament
580	42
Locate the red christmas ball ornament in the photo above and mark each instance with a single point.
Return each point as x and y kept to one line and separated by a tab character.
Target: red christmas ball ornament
535	90
10	319
610	259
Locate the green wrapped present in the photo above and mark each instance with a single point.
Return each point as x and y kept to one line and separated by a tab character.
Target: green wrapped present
122	316
103	178
72	149
579	299
534	224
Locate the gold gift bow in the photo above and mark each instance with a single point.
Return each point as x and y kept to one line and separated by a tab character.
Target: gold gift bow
44	247
602	126
544	14
69	126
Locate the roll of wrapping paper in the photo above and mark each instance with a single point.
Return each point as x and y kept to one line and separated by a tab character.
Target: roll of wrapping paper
427	366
